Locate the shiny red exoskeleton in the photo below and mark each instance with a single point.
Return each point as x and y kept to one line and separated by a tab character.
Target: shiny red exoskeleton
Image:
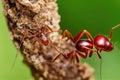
43	37
84	47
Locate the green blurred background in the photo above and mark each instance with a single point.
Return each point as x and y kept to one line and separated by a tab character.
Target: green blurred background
97	16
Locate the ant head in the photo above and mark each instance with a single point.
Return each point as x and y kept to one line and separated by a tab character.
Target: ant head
109	46
102	43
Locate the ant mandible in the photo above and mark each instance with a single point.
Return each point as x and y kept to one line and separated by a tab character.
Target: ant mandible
83	46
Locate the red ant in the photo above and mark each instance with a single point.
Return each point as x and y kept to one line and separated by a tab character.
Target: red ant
39	33
85	46
42	35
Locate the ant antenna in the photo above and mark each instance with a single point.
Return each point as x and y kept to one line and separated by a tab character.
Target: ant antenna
18	50
100	69
16	56
15	59
113	29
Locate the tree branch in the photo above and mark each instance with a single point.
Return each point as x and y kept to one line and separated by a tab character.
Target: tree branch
23	17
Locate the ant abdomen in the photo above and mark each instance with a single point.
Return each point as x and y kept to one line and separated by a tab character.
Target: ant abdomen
83	44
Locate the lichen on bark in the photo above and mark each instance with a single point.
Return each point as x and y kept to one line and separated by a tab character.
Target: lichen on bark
25	15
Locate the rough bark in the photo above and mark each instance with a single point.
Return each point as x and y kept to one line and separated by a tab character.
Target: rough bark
25	17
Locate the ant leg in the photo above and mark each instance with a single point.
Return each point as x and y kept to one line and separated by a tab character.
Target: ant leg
99	56
43	26
66	32
88	35
68	56
80	34
33	41
47	27
111	31
18	50
56	57
53	31
55	49
91	52
82	54
76	57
